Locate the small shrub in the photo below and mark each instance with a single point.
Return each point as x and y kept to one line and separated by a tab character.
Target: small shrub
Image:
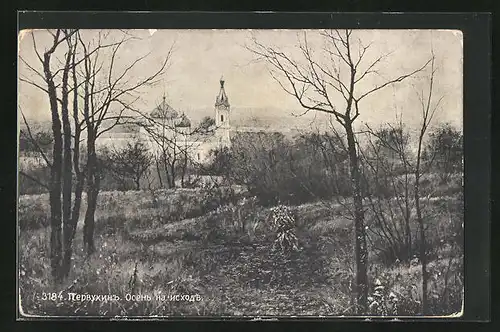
283	221
382	302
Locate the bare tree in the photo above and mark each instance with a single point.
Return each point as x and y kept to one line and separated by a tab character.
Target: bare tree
429	104
387	174
69	219
313	85
129	163
108	92
63	218
397	142
80	174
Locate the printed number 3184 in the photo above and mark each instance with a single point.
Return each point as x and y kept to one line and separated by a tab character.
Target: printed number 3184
51	296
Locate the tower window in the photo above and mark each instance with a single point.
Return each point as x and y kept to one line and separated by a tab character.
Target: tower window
198	156
222	118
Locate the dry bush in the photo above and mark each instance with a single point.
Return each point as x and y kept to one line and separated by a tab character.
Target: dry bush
276	169
443	224
400	288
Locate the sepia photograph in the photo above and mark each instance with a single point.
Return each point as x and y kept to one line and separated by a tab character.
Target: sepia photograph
240	173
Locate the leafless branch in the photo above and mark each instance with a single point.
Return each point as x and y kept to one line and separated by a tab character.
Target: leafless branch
34	141
34	180
392	81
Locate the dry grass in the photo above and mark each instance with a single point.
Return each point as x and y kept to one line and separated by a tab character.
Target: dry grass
404	283
225	256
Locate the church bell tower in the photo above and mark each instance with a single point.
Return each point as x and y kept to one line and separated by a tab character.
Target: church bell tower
222	112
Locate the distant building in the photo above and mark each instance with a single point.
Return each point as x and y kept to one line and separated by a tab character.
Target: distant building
165	127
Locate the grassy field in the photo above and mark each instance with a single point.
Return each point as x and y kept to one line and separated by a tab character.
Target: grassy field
224	257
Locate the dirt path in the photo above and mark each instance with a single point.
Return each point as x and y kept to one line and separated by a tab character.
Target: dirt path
259	281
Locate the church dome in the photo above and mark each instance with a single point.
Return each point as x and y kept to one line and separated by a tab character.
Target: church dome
164	111
184	122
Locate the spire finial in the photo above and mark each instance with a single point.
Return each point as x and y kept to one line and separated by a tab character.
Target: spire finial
222	97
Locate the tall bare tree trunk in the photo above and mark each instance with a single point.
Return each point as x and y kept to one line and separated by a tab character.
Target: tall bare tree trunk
428	111
58	188
420	220
92	193
166	169
55	197
172	175
89	223
91	167
55	173
407	216
75	214
69	232
67	166
361	250
137	182
184	168
96	108
159	172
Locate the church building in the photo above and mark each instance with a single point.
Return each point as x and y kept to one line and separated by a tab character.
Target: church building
166	129
174	131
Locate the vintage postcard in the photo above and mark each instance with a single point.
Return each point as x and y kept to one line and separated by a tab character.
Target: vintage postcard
240	173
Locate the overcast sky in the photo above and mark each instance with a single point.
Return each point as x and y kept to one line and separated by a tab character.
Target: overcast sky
201	57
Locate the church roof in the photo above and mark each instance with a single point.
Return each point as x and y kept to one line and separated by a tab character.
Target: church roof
164	111
222	99
183	122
